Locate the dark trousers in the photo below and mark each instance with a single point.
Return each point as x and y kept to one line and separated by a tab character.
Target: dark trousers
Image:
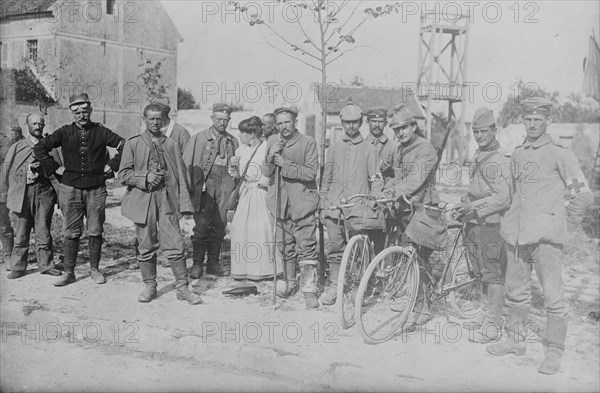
6	230
80	202
210	222
38	208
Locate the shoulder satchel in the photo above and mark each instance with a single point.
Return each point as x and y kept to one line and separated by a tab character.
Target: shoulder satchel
234	197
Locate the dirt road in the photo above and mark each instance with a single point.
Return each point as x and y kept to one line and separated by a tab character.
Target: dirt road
98	337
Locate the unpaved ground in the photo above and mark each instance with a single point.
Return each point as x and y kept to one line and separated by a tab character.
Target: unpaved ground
98	337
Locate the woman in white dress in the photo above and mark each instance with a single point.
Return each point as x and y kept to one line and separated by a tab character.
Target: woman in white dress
251	230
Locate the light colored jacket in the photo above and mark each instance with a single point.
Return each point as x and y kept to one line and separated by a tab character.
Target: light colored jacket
135	165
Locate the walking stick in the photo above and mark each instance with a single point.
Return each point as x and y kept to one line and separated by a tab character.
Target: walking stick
274	243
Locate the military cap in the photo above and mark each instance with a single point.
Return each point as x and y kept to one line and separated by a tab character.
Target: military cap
377	113
80	98
291	110
351	112
402	116
483	118
164	102
536	106
222	107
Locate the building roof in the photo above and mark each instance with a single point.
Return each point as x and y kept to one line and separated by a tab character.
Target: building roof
370	97
10	8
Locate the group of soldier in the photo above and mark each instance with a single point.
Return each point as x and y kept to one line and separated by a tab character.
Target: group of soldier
514	210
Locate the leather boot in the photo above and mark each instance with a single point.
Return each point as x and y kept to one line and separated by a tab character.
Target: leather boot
212	264
7	246
555	345
181	283
517	331
95	248
491	328
71	247
330	295
148	270
308	283
198	258
289	286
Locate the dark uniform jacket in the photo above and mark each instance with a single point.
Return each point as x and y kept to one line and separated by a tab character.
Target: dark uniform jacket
543	173
135	166
298	193
14	174
199	157
84	153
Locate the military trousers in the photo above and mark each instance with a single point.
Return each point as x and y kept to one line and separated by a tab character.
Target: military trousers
486	250
546	259
36	214
6	229
297	239
161	223
77	203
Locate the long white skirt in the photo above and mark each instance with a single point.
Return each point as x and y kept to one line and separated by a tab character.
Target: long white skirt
252	236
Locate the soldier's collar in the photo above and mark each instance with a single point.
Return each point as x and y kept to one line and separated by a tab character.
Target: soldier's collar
541	141
382	139
357	139
212	133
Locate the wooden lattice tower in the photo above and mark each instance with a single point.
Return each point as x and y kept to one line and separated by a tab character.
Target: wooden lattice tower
442	73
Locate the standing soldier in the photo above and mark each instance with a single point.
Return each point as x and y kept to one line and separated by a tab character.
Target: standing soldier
7	233
485	203
207	158
31	197
352	167
413	161
296	156
535	229
268	126
83	187
157	195
377	120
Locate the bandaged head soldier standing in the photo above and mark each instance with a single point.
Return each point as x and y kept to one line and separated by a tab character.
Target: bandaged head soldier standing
296	156
84	174
207	158
487	200
352	167
156	196
413	162
535	229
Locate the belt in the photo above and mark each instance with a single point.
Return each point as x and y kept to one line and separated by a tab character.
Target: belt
263	187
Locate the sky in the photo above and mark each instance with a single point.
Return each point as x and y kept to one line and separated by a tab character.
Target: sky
542	43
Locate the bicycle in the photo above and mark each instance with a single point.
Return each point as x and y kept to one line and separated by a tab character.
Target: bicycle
359	252
388	289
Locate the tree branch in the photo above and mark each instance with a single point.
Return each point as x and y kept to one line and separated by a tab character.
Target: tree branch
276	33
286	53
346	22
347	50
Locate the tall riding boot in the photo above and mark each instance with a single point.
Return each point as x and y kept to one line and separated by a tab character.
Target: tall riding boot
289	286
517	331
198	258
8	244
148	270
491	329
71	247
330	295
181	283
555	344
212	264
308	283
95	248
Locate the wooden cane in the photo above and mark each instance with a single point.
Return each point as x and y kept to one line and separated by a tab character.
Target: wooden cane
274	243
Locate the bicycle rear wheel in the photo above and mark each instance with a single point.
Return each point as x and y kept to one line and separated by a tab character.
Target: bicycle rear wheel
466	299
357	256
390	281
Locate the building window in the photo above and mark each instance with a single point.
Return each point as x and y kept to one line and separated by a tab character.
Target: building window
110	6
32	50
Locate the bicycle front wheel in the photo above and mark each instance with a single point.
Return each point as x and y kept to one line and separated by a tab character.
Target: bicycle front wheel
465	299
356	258
386	294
